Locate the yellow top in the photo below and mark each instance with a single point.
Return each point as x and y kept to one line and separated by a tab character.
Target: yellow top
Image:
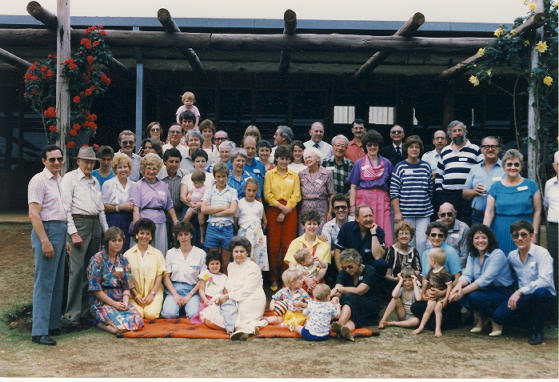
144	276
277	187
322	249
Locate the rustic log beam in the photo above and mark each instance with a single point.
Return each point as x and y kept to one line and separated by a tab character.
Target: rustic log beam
261	42
51	21
171	27
290	24
531	23
14	60
377	58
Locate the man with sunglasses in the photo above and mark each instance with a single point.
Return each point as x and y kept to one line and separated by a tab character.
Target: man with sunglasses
456	231
127	143
394	151
48	238
482	176
536	296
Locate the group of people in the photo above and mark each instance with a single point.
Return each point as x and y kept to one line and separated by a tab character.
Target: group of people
153	233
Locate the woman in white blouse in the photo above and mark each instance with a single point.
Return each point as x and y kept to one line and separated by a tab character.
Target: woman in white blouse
183	266
115	195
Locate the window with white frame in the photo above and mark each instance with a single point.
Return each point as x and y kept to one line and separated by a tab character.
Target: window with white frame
381	115
344	114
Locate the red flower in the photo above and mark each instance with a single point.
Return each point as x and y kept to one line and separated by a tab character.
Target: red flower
73	133
86	43
88	91
27	75
103	33
90	59
95	43
25	94
50	112
69	61
95	146
52	128
85	145
100	26
76	126
71	144
92	117
105	79
49	73
77	99
93	126
34	78
44	68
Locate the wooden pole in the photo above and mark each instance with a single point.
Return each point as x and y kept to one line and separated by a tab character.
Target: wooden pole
531	23
171	27
62	82
376	59
139	96
264	42
14	60
290	24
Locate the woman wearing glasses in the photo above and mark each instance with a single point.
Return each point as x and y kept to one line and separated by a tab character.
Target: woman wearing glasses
513	198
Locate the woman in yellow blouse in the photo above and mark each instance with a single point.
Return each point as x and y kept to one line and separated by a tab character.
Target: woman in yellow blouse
147	266
282	192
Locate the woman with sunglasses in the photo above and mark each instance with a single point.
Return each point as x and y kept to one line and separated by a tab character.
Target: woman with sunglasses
513	198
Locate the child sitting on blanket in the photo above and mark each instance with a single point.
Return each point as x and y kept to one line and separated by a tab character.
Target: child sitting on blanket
311	266
402	298
288	303
211	286
320	313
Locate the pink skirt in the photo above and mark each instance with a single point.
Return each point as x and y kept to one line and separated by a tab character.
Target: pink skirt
379	201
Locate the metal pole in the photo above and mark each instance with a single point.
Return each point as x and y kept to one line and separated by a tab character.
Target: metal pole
139	95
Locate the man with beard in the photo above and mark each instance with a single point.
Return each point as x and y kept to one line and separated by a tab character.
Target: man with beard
457	159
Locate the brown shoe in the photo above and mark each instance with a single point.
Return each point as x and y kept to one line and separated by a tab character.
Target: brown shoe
345	333
336	328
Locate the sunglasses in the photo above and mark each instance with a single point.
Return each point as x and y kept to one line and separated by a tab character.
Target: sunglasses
126	143
219	138
511	164
445	214
155	129
174	132
523	235
396	132
56	159
340	207
490	147
439	235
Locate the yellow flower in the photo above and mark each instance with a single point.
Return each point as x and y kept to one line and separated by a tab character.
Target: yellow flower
481	52
473	80
541	46
498	32
532	6
489	72
526	42
513	32
555	4
547	80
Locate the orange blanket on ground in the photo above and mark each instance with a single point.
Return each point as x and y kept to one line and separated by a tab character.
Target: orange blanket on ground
182	328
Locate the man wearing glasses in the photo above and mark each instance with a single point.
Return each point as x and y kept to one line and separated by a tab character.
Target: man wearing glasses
48	238
482	176
127	142
394	151
456	231
175	135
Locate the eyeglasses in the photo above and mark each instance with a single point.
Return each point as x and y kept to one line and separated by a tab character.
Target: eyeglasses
523	235
511	164
340	208
219	138
174	131
56	159
439	235
490	147
445	214
155	129
397	132
126	143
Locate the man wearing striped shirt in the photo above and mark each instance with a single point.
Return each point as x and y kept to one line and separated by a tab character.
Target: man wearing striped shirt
457	159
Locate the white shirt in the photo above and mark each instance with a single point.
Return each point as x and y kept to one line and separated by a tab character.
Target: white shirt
296	167
324	148
184	154
331	230
432	157
249	213
114	193
82	196
551	199
185	270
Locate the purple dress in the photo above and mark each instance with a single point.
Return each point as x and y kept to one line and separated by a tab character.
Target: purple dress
315	194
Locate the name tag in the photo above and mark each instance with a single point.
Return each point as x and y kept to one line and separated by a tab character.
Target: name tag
455	235
256	171
161	193
365	167
119	269
496	178
289	180
522	188
408	172
367	250
461	159
319	181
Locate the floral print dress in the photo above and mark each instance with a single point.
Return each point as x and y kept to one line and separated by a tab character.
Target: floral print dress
113	279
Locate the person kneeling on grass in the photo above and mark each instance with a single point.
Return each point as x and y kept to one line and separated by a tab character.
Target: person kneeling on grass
402	298
288	303
438	278
320	313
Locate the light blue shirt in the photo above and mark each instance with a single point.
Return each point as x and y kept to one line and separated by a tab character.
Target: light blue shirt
536	272
223	198
478	174
494	272
452	263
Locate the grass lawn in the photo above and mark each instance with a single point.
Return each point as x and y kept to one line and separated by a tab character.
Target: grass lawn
396	353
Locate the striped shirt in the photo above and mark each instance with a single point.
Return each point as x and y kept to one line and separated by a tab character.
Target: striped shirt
412	184
454	166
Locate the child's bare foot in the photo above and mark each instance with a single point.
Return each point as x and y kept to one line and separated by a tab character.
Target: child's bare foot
417	331
381	324
438	333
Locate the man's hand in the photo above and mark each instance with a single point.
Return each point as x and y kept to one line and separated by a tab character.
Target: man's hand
48	249
77	240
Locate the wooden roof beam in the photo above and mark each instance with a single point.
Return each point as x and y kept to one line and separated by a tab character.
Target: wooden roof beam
377	58
290	25
534	22
171	27
14	60
51	21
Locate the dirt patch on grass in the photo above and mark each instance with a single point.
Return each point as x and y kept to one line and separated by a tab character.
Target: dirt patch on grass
395	354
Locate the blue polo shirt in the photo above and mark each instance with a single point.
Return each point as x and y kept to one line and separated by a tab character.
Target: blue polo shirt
233	182
102	180
478	175
350	237
256	170
452	263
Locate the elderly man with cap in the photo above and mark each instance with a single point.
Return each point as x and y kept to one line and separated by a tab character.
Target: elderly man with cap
86	223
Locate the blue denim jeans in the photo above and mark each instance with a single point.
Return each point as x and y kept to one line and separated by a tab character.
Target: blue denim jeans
171	308
218	236
486	300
